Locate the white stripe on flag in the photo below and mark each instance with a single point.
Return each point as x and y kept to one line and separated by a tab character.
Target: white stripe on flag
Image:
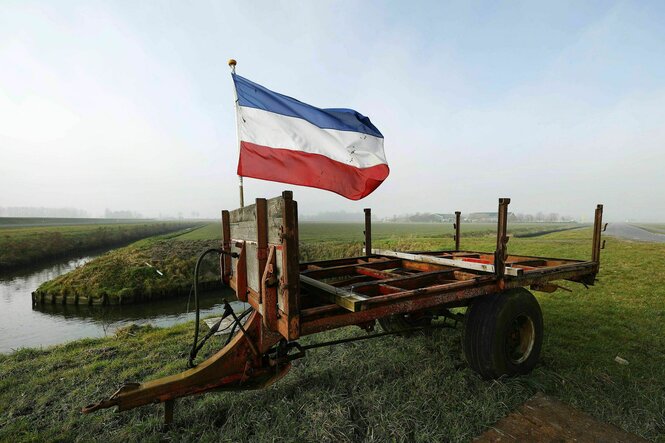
279	131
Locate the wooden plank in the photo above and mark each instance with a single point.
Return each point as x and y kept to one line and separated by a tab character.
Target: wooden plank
290	272
423	267
543	418
253	271
275	219
261	244
243	221
342	297
248	213
368	231
375	273
226	237
244	230
446	262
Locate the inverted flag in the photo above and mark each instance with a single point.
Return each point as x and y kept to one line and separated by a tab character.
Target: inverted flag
285	140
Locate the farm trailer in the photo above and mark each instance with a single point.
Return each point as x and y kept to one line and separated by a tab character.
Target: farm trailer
403	291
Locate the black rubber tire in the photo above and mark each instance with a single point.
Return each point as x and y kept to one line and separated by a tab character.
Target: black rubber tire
503	334
400	322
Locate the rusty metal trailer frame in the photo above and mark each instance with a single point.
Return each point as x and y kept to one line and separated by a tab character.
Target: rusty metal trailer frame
292	299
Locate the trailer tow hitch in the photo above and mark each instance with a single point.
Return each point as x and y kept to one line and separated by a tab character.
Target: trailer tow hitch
242	364
281	353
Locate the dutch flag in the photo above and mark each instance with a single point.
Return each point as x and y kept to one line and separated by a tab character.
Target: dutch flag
285	140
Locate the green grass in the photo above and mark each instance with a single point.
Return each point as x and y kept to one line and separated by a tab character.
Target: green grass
129	274
389	389
320	241
210	231
30	245
344	232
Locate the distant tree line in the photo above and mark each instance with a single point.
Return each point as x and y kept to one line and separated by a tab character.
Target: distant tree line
550	217
121	214
485	217
27	211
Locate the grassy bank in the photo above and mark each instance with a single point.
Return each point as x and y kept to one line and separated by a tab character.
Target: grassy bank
31	245
150	269
390	389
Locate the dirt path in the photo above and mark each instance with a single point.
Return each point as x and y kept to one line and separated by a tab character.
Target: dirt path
630	232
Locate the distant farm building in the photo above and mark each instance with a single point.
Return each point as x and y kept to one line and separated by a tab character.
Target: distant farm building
486	217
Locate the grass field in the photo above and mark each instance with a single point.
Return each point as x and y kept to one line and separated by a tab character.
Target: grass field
390	389
655	228
30	245
330	240
24	222
345	232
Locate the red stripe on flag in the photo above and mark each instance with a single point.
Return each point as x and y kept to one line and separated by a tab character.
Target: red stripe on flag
306	169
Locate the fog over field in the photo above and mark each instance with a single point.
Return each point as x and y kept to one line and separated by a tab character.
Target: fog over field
128	106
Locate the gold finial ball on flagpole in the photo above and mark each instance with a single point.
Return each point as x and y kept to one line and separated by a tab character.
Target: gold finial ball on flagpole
232	63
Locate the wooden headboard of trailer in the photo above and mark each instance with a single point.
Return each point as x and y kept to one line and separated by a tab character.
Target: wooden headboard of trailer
265	272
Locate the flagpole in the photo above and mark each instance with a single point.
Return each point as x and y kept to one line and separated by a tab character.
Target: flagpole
232	65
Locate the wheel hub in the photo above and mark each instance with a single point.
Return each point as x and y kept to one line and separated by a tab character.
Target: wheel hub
520	340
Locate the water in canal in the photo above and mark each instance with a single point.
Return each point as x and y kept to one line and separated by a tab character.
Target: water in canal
21	325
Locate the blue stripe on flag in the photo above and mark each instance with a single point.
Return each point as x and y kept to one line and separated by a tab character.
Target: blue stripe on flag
256	96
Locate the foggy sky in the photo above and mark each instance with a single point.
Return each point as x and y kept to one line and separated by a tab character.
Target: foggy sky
128	105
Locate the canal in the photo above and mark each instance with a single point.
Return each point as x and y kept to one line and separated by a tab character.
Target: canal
22	325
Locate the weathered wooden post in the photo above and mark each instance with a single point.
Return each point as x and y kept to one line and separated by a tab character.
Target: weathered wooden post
501	251
457	229
597	224
225	259
261	233
290	282
368	231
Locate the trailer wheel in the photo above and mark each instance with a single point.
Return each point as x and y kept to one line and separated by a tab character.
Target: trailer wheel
503	334
401	322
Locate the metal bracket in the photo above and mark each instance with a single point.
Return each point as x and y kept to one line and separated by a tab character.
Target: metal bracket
269	291
241	273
